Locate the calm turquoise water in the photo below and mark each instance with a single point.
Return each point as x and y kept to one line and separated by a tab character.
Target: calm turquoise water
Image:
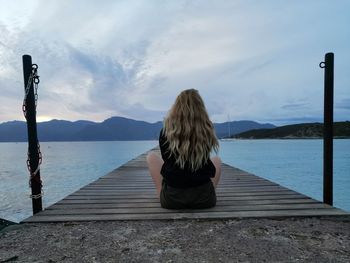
296	164
67	166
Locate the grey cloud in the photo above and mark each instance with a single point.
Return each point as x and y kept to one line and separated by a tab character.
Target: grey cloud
3	44
252	66
113	83
343	104
108	77
295	106
140	112
83	60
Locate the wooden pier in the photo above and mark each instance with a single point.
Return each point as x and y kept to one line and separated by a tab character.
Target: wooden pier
128	193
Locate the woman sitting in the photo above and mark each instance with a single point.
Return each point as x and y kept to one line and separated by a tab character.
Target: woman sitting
186	176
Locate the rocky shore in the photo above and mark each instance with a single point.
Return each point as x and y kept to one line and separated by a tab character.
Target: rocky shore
245	240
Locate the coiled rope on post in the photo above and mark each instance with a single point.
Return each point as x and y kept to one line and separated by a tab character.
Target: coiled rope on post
33	79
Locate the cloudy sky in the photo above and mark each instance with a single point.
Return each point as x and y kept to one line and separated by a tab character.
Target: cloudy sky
255	60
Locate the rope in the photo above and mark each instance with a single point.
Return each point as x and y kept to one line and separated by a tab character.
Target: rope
37	196
33	79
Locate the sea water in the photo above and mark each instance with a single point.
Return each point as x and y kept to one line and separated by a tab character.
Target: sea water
68	166
295	164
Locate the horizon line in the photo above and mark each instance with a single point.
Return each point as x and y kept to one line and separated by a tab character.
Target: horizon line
289	121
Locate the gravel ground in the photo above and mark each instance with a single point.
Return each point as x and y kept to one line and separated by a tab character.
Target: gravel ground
245	240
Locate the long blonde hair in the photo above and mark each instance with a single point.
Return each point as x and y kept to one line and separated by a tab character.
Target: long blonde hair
189	131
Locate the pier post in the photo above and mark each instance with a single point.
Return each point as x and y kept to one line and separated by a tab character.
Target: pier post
33	151
328	65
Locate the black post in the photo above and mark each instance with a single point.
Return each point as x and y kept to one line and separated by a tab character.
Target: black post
35	181
328	129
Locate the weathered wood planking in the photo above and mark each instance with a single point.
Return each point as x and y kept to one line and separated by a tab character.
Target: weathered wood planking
128	193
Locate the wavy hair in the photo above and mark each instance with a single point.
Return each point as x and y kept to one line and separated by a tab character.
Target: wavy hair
189	131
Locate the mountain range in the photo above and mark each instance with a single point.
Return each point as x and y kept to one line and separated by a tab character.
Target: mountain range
112	129
297	131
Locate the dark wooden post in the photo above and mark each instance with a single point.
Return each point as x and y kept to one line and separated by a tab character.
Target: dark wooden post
30	112
328	65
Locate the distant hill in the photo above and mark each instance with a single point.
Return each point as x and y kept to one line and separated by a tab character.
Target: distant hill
54	130
112	129
228	129
119	129
297	131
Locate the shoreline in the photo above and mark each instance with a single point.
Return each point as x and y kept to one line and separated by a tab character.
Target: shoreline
5	223
221	139
287	138
239	240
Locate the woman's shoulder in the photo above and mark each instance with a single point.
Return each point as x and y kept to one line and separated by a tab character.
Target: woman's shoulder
163	143
162	135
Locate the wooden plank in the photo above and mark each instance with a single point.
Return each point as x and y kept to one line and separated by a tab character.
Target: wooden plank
85	191
155	208
156	200
151	184
153	194
117	185
157	204
184	215
152	210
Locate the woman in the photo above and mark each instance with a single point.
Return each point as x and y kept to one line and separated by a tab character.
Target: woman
186	176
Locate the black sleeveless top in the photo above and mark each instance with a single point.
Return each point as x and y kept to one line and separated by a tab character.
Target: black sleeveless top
175	176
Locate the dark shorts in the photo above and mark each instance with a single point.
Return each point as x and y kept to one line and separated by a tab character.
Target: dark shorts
202	196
